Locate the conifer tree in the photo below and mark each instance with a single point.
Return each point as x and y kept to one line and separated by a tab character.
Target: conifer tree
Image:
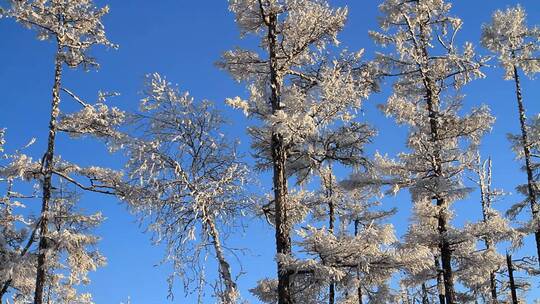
431	68
75	27
518	49
295	90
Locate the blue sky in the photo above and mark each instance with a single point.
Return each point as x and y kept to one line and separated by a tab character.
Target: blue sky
182	40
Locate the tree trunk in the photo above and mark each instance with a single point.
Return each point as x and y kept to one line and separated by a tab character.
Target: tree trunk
47	171
513	290
230	295
425	297
432	101
440	281
4	289
531	187
446	258
444	245
359	289
329	193
279	157
493	288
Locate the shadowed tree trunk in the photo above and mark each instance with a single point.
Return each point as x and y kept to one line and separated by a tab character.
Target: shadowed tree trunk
279	157
440	281
432	101
359	289
425	297
513	290
329	193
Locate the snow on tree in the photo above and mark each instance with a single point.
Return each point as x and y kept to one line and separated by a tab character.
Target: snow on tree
353	252
363	249
518	49
480	266
75	27
186	180
73	253
17	232
430	69
295	90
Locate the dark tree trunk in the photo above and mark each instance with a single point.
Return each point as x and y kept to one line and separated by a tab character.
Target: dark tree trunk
446	258
4	289
329	193
47	171
279	157
444	245
440	281
432	101
359	289
513	290
531	187
425	296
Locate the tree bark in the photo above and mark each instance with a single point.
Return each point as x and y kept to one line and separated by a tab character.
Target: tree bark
230	295
440	281
359	289
444	246
279	157
531	187
47	170
329	193
513	290
432	100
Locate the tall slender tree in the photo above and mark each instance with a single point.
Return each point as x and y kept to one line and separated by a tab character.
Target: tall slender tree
431	68
294	90
518	49
75	27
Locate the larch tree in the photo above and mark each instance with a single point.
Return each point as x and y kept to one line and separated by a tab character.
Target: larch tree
75	26
295	90
360	251
518	49
430	69
186	180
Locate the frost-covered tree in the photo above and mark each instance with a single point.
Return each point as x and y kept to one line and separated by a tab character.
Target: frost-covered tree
360	250
295	90
73	252
431	68
75	27
480	266
353	254
186	179
518	48
17	260
70	256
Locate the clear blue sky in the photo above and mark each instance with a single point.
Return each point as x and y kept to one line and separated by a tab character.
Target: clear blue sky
183	40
